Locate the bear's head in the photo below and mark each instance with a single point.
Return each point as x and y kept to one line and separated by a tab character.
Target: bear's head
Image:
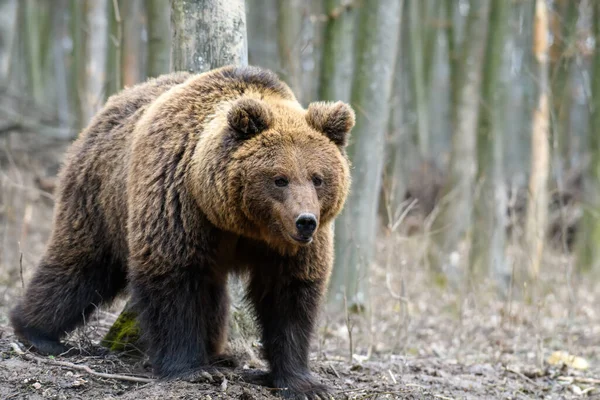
273	171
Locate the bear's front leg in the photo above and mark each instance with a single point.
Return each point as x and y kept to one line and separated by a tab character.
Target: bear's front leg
179	311
287	310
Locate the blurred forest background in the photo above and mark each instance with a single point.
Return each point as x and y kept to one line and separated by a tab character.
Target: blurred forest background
478	124
476	154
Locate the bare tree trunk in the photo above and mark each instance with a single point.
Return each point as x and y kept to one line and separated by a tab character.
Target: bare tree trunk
563	23
455	213
537	204
489	237
61	84
589	235
262	23
8	19
208	34
77	69
97	51
356	229
398	153
34	51
299	32
131	14
159	37
417	54
338	51
289	27
114	57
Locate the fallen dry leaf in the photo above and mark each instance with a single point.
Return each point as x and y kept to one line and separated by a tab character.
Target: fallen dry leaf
563	357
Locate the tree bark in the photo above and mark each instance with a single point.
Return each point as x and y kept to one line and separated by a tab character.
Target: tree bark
159	33
96	58
8	19
207	34
489	237
418	56
589	235
537	204
455	208
338	51
262	22
131	50
356	228
77	69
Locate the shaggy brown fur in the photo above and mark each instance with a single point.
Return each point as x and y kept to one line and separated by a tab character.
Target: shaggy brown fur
175	184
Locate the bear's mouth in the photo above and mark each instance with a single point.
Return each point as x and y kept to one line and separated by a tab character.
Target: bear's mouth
302	239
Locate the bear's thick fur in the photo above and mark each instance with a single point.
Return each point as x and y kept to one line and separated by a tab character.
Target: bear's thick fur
178	182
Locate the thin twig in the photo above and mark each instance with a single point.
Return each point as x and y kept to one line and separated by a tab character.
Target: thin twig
80	367
21	270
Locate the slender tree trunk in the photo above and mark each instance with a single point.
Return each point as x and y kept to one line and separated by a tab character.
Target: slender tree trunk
114	59
96	59
131	14
34	51
159	37
455	213
417	54
61	83
77	70
562	53
208	34
537	204
356	229
398	154
262	22
589	235
489	237
289	26
299	43
338	51
8	19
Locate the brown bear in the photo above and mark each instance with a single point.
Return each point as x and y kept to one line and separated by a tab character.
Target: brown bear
178	182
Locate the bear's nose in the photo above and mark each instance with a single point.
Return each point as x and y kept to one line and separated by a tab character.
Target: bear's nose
306	224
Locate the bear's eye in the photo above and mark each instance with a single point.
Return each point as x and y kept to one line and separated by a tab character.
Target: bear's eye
317	181
281	182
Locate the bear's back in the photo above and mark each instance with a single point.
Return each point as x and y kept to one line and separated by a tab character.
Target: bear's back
92	182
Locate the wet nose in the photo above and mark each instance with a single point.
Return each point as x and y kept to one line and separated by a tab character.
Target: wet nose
306	224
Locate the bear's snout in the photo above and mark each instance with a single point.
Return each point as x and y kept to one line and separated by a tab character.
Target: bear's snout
306	224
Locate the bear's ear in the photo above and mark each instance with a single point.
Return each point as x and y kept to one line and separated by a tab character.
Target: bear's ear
248	117
335	120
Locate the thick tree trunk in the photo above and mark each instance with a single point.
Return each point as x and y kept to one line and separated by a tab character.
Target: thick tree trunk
489	237
537	204
455	213
159	37
356	229
207	34
589	235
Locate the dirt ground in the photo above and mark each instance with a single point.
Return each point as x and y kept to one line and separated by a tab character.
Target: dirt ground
424	338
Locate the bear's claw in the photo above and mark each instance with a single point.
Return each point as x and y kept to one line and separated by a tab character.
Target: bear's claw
207	375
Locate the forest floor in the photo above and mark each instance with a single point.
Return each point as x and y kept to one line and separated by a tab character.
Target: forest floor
424	338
